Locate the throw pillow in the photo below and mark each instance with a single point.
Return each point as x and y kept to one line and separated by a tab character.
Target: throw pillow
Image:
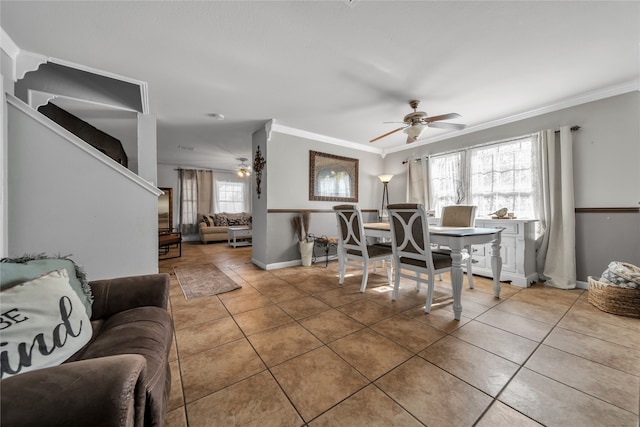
220	220
19	270
42	324
205	218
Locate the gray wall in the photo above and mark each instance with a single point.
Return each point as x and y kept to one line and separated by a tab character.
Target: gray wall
287	188
606	173
69	200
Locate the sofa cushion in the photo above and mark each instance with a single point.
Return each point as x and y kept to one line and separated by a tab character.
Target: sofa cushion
43	323
220	220
28	267
142	330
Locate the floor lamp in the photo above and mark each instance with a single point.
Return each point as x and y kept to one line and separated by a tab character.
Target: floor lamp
385	194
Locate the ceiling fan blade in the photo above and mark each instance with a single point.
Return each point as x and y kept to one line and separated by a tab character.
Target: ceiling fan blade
443	125
387	134
442	117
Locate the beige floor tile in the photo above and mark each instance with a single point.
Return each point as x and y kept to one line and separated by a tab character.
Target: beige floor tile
614	356
281	293
176	418
282	343
608	384
523	326
262	319
246	303
300	308
478	296
595	327
584	308
229	384
438	318
330	325
255	401
367	312
478	367
315	284
549	314
502	343
204	336
339	296
554	404
207	310
317	380
433	396
370	353
369	407
176	399
411	334
212	370
500	415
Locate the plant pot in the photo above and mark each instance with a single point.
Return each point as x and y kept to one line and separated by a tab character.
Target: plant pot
306	253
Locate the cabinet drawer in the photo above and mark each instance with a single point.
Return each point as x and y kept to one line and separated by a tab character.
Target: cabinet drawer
478	261
478	250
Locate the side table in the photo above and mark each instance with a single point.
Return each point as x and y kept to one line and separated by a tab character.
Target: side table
239	236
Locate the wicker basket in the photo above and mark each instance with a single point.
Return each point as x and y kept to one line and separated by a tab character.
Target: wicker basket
614	299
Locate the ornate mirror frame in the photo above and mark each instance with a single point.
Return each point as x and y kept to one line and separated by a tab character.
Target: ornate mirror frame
332	178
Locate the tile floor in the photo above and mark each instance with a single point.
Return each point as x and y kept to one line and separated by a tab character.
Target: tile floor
293	348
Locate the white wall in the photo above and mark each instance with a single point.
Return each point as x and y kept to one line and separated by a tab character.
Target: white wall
65	197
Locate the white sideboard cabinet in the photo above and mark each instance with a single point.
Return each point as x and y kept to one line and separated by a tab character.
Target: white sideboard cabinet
518	251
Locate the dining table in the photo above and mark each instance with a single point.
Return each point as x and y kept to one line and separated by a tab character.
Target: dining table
456	238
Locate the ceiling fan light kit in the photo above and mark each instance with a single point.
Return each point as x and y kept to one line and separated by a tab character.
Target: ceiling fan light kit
244	171
418	121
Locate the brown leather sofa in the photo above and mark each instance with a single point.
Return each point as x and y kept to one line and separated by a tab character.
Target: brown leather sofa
120	378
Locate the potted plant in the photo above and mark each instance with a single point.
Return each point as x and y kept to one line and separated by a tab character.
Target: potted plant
300	225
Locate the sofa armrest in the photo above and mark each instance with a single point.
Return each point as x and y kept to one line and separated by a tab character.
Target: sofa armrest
112	296
101	392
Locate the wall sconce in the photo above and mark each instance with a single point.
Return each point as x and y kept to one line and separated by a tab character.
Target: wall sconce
385	194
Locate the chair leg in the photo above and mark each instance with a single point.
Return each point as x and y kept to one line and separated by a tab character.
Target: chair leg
418	281
389	273
430	286
365	277
342	266
396	284
440	277
469	264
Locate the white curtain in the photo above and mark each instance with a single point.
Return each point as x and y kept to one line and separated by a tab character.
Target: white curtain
196	192
555	255
418	182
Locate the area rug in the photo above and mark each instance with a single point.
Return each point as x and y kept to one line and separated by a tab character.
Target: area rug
203	280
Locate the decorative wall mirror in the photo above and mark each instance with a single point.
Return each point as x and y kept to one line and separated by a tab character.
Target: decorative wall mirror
332	178
165	209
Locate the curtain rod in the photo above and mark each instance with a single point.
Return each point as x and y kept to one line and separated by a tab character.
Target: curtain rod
572	129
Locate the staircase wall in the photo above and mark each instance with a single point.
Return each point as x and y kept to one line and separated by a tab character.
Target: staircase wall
65	197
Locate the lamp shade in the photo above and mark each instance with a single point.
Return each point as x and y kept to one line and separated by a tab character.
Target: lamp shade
385	178
416	130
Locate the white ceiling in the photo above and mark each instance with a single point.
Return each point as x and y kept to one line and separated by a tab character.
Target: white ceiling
335	68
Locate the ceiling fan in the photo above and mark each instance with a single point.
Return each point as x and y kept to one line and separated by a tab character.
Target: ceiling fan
418	121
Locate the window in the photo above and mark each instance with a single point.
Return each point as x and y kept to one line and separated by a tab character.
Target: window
447	182
491	177
503	176
231	196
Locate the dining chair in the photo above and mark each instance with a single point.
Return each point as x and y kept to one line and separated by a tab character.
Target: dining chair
412	249
459	216
353	249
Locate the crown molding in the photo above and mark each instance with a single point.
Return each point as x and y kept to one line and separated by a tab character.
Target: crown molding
8	45
630	86
323	138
